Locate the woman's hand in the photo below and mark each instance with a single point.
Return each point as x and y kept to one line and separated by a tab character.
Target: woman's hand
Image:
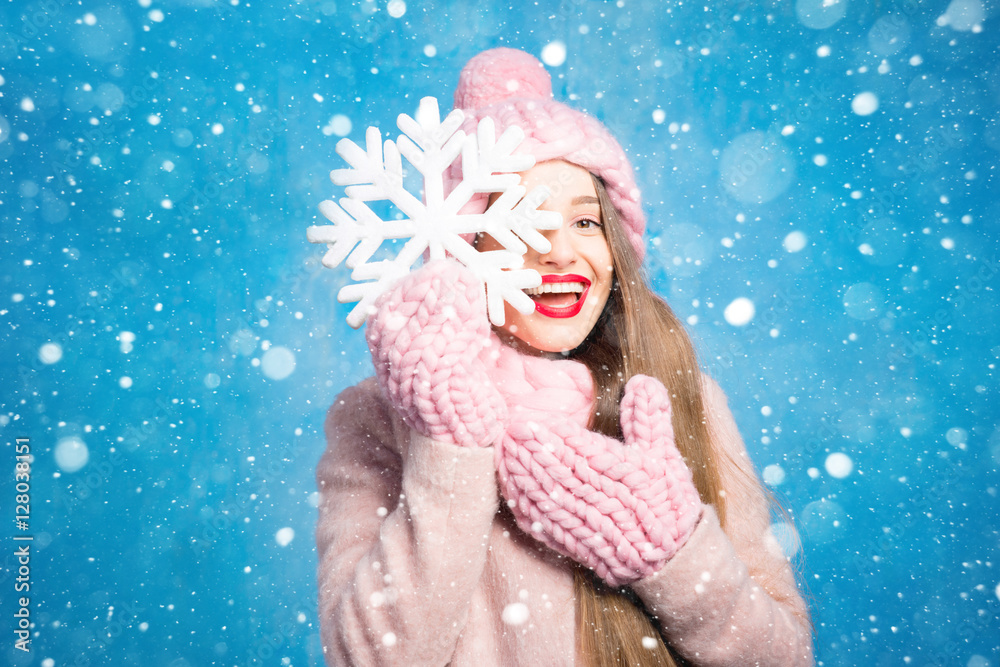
425	338
622	509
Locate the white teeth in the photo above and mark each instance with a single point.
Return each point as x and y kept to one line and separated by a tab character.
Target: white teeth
554	288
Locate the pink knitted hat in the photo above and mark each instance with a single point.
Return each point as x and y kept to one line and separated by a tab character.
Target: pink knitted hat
513	88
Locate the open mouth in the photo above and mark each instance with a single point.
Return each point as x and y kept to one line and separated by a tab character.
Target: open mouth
559	295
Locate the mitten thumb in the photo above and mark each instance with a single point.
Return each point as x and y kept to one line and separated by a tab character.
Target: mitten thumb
647	416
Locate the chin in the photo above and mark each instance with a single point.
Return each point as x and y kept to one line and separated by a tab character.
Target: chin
548	337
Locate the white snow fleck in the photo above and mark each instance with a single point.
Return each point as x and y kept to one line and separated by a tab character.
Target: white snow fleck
516	613
125	382
430	50
649	643
659	115
740	312
217	129
71	453
153	119
212	380
125	340
823	51
389	639
947	243
156	15
839	465
865	104
27	104
554	53
284	536
339	125
50	353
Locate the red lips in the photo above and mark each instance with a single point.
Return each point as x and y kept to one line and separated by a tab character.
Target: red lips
564	311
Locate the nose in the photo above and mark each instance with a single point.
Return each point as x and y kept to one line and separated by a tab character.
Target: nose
563	251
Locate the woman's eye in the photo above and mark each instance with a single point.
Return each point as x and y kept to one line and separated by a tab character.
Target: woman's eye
588	223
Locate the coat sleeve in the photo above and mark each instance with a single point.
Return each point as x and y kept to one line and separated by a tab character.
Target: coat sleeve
729	597
402	536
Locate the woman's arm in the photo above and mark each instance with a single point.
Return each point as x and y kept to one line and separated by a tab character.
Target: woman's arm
402	536
730	597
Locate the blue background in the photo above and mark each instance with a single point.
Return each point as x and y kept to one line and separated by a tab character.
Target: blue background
162	161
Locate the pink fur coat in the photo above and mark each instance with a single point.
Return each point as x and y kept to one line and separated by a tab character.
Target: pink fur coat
418	564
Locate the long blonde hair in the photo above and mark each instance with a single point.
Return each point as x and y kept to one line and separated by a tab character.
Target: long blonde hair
638	333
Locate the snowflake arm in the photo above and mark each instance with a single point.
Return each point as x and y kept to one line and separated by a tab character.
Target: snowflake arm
432	224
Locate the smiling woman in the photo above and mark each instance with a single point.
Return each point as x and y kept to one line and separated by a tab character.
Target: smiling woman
577	270
568	489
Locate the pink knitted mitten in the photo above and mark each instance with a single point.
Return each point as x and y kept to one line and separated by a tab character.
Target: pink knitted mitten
622	509
425	338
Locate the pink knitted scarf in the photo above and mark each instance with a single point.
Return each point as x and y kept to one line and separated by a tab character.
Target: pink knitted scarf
537	388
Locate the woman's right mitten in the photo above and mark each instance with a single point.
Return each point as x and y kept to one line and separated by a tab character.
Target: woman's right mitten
425	338
622	509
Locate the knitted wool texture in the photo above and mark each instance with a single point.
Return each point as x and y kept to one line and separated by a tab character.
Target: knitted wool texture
513	89
622	509
424	339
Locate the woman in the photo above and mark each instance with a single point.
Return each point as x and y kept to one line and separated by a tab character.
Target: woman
628	526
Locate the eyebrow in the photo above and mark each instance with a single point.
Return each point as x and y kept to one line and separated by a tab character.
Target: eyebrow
585	199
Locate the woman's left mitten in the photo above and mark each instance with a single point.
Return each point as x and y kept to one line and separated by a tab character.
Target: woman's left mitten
622	509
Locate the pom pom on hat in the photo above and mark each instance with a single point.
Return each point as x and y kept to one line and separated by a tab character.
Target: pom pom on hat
498	74
513	88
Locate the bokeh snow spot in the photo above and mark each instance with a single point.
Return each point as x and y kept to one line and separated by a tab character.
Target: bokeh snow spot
865	104
284	536
278	363
839	465
863	301
740	312
71	453
554	53
820	14
795	241
516	613
50	353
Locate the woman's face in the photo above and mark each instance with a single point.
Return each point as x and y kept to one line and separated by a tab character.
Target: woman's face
576	273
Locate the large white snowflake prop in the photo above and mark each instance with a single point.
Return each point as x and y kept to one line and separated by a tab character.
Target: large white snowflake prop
434	224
